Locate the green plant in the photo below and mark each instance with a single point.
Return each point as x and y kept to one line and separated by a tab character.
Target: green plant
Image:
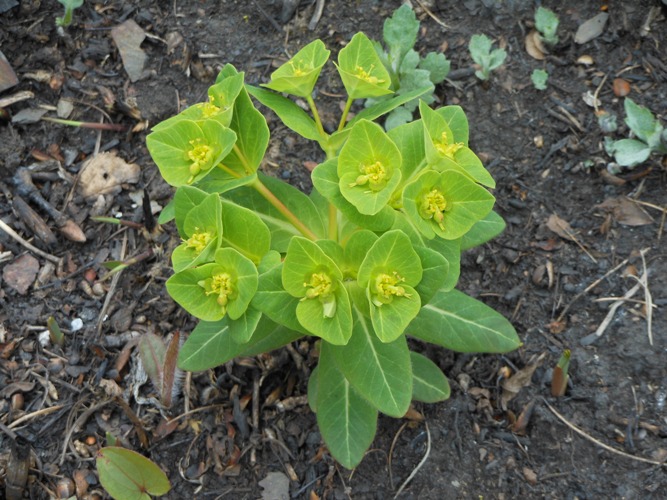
369	257
407	69
539	78
651	137
546	22
127	475
487	59
70	6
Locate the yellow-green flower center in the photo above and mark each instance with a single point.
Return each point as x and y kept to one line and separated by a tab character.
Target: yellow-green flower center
367	76
447	148
222	285
208	109
375	175
322	287
301	70
199	240
201	156
434	206
387	287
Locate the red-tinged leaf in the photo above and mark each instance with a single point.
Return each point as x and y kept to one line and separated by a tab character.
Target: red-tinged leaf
127	475
560	375
169	373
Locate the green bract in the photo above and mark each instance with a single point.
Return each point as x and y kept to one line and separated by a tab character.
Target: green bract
369	258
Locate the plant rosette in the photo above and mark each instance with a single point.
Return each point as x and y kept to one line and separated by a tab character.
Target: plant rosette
368	258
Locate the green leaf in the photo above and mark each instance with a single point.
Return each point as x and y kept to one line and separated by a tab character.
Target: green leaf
299	75
399	116
381	108
313	385
242	328
186	151
347	422
272	299
211	344
539	78
289	113
457	122
447	204
356	248
361	69
303	259
253	136
202	231
167	213
369	168
546	22
391	253
463	324
409	140
185	199
437	64
244	231
222	180
210	291
435	270
630	152
640	119
400	33
483	230
429	383
326	182
127	475
391	319
378	371
335	327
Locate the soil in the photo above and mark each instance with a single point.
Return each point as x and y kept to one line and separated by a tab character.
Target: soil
545	150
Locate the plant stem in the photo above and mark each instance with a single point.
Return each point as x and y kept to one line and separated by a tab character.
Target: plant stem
333	222
243	159
346	111
316	116
97	126
286	212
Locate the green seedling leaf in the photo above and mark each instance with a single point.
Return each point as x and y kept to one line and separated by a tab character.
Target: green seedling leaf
437	65
399	116
244	231
463	324
210	291
384	107
429	383
289	113
202	229
127	475
313	277
211	344
539	78
55	333
400	34
483	230
187	151
388	272
560	375
630	152
253	136
369	168
481	53
546	22
361	69
379	371
326	182
347	422
70	6
299	75
446	204
640	120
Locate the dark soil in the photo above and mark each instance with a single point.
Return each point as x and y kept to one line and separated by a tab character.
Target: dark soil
545	151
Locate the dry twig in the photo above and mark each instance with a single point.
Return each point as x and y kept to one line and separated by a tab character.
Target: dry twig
419	465
30	247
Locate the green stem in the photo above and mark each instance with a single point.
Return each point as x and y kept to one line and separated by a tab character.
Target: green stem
316	116
333	222
244	160
286	212
343	119
93	125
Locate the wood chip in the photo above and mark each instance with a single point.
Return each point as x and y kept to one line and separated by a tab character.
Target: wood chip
21	273
7	76
592	28
128	37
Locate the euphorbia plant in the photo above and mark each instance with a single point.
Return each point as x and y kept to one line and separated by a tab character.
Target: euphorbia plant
369	258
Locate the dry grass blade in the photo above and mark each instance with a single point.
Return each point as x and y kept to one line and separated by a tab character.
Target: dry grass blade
419	465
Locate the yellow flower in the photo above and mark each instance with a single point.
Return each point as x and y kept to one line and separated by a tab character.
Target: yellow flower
434	206
366	75
375	175
199	240
387	287
201	155
447	148
221	284
322	287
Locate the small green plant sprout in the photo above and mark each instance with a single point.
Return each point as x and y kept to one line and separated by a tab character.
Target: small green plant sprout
70	6
560	375
650	137
127	475
484	57
546	22
539	78
55	333
368	258
406	68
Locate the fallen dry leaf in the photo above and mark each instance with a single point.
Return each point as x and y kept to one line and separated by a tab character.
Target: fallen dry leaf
105	173
529	475
625	211
560	227
592	28
519	380
21	273
534	46
128	37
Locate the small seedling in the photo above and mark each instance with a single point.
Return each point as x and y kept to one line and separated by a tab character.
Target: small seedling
407	70
539	78
486	59
70	6
546	22
651	137
125	474
55	333
560	375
